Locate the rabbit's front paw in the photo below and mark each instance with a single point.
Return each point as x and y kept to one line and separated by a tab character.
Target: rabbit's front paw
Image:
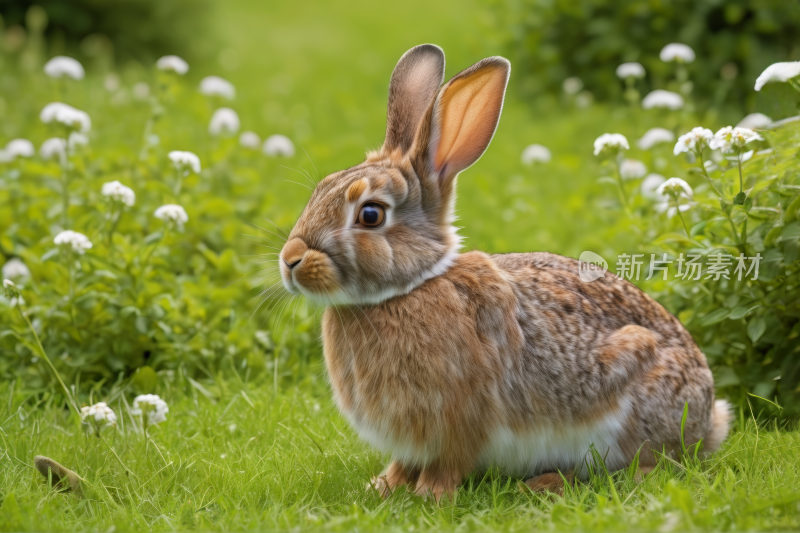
436	483
550	482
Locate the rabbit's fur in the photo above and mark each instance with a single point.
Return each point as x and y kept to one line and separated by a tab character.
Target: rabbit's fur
451	362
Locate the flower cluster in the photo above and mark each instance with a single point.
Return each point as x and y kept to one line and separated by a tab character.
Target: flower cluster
694	141
731	139
98	414
63	66
278	145
536	153
66	115
72	240
610	143
173	64
117	192
225	121
185	161
15	268
172	213
655	136
151	408
630	70
216	86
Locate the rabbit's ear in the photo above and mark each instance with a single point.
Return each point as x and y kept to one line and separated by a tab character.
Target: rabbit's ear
465	117
415	81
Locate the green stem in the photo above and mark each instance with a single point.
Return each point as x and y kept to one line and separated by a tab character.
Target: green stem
730	220
65	190
178	182
146	261
680	215
116	217
741	179
70	399
622	187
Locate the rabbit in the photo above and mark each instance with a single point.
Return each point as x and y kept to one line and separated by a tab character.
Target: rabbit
453	362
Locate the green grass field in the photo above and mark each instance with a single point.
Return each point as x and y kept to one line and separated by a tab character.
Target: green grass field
252	441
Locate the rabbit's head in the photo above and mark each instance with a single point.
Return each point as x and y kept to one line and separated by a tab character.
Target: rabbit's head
383	227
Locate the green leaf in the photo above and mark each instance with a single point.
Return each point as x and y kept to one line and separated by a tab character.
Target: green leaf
717	316
756	328
742	311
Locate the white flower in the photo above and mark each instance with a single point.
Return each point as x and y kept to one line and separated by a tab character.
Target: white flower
730	139
185	161
72	239
655	136
675	187
572	85
152	407
535	153
224	121
99	413
678	52
671	210
61	66
610	142
214	85
695	140
8	284
584	99
173	63
111	83
118	192
755	121
630	70
19	148
650	185
632	169
172	212
15	268
250	139
66	115
778	72
277	145
662	98
141	90
76	139
54	148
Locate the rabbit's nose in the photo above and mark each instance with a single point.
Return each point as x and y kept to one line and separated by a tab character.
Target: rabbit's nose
293	252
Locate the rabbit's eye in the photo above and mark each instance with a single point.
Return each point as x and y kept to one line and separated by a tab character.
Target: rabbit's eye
371	215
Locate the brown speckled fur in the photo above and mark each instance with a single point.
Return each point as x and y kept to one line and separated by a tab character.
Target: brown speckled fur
440	358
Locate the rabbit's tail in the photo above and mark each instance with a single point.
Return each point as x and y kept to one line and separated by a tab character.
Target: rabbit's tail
721	418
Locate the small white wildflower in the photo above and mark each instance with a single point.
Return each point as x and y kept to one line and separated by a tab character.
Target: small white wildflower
15	268
66	115
186	161
668	207
12	293
778	72
19	148
675	187
610	142
151	407
730	139
250	139
678	52
632	169
572	85
630	70
224	121
174	64
694	141
76	139
655	136
173	213
216	86
278	145
662	99
99	413
755	121
141	90
536	153
55	148
8	284
650	185
584	99
117	192
61	66
111	83
78	242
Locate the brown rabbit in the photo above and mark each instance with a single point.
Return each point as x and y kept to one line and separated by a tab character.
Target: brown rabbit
452	362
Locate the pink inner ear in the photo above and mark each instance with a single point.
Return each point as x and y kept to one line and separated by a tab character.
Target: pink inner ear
468	111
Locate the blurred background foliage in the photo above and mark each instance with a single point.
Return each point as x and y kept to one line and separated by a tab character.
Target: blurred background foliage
735	40
318	72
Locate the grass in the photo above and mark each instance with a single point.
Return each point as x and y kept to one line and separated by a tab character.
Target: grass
264	449
234	457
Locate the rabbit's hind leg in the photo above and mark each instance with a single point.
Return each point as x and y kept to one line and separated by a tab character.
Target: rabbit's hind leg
396	475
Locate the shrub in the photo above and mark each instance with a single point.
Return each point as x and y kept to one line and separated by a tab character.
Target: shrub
551	40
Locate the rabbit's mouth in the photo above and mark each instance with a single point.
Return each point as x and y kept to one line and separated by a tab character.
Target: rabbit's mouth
310	272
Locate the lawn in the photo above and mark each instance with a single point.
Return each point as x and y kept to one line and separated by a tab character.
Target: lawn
188	311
